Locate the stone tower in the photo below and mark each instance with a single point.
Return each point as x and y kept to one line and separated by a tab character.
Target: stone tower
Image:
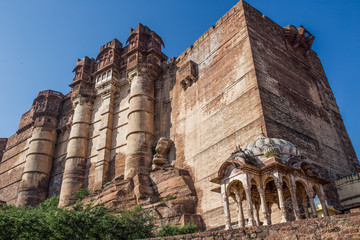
138	129
34	184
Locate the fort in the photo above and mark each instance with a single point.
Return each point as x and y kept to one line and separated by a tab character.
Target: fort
241	129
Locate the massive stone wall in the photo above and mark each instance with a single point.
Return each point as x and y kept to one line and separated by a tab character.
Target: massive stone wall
219	110
335	227
297	101
348	188
241	77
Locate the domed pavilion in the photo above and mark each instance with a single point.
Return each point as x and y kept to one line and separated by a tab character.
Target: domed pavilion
268	171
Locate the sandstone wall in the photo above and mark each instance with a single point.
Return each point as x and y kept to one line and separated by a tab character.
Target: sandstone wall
220	110
12	165
349	191
118	137
297	100
335	227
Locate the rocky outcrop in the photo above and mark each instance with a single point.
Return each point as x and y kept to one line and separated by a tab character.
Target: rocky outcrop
173	198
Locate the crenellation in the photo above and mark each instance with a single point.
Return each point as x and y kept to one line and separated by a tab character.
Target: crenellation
140	129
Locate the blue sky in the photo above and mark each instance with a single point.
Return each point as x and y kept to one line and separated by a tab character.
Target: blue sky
41	41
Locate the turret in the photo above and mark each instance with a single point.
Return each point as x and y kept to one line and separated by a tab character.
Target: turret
83	83
82	98
144	59
39	159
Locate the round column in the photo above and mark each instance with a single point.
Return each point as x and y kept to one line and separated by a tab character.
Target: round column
312	203
74	172
263	206
322	201
294	199
225	202
35	179
249	205
241	218
140	137
281	200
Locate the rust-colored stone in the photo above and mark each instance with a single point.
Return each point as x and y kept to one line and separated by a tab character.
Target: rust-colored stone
242	75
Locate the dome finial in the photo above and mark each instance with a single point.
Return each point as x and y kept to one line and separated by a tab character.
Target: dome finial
271	150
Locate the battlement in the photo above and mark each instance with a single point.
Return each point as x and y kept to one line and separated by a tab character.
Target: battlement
112	44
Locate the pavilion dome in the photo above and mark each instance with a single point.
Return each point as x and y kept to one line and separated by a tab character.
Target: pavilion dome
263	148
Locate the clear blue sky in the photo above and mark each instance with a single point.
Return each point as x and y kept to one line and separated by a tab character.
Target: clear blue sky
41	41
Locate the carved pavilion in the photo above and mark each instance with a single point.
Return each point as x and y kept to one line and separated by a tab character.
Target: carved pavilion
269	171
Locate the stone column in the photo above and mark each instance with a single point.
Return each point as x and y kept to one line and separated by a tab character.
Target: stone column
257	216
225	202
140	137
312	203
104	143
279	188
322	201
74	172
241	218
263	206
249	204
294	200
305	206
39	159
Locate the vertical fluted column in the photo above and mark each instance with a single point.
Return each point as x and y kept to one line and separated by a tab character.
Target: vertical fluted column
104	143
74	172
241	218
35	179
322	201
312	203
279	188
140	137
263	206
225	202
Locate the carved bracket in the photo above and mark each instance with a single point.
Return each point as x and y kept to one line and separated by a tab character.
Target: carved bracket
187	74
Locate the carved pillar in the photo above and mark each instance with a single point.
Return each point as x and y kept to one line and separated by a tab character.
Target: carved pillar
104	143
247	187
74	172
257	215
305	206
279	188
39	159
322	201
294	199
263	206
312	203
241	218
225	202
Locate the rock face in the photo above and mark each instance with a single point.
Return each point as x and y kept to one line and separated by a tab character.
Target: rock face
245	74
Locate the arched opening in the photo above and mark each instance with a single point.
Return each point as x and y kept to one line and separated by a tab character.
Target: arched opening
236	192
272	201
303	200
255	199
276	195
289	206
